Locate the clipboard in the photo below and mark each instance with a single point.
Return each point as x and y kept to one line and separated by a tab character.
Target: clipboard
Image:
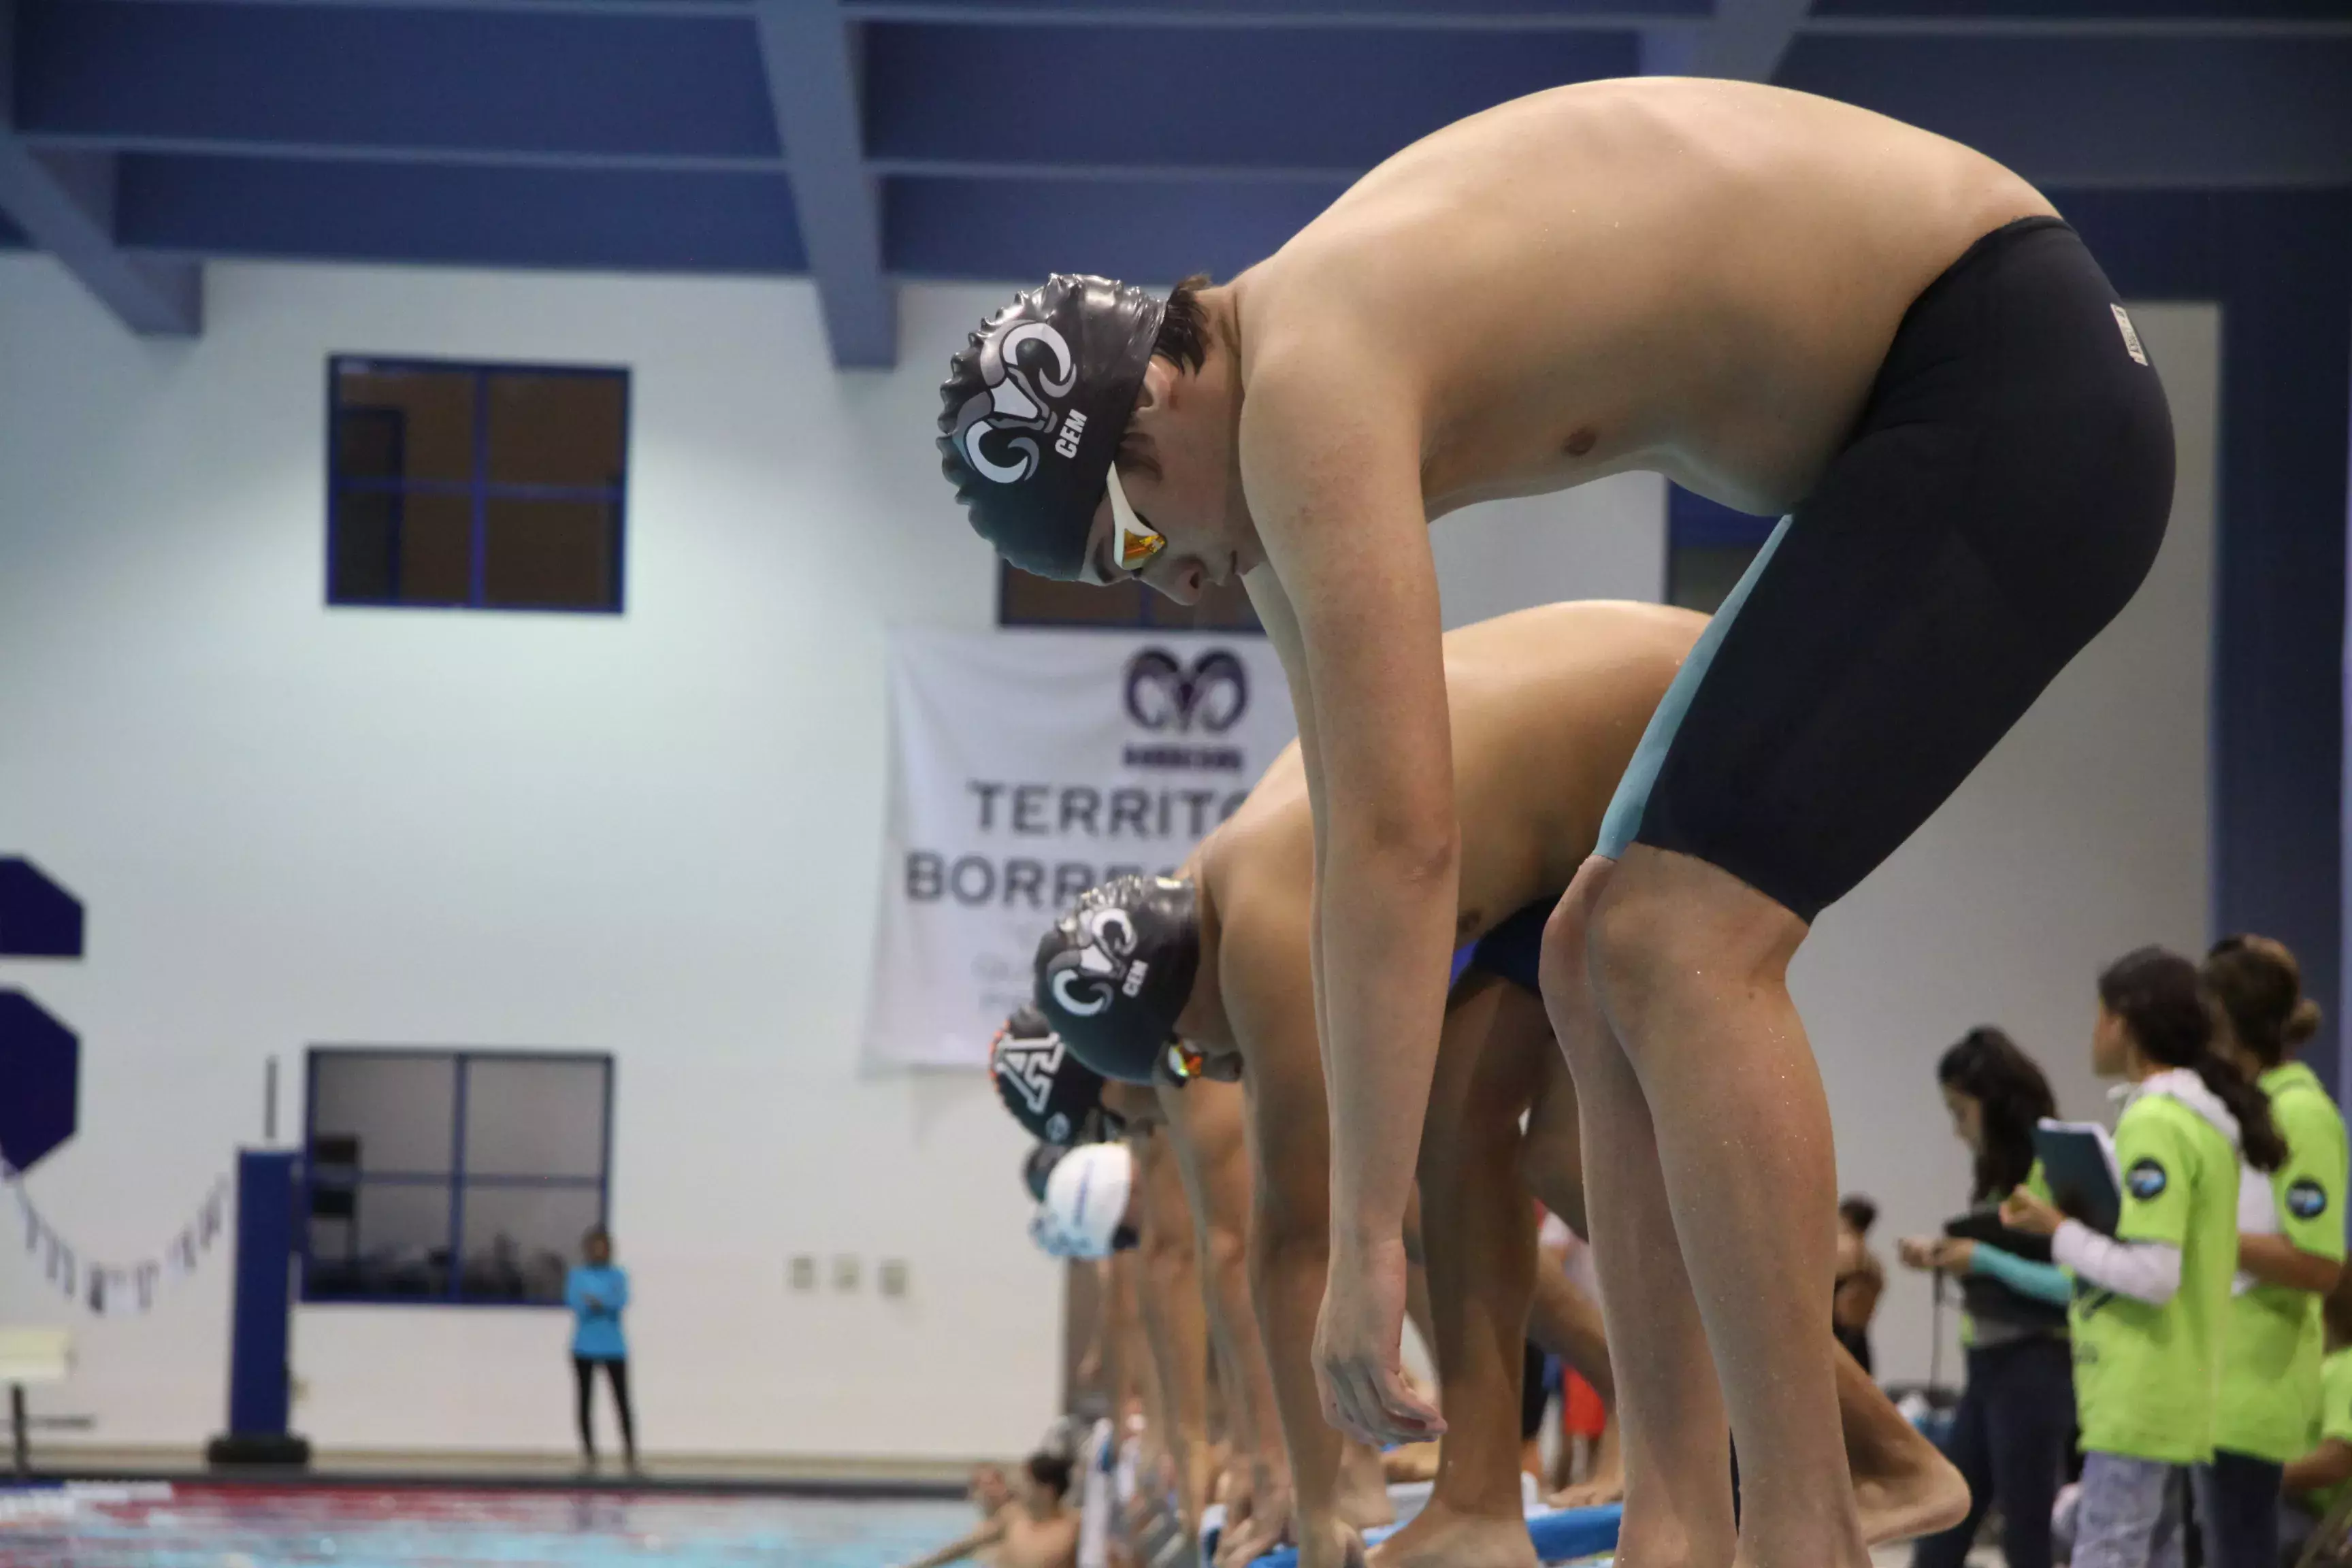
2078	1162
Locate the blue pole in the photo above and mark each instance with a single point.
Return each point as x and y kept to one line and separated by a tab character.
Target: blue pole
260	1391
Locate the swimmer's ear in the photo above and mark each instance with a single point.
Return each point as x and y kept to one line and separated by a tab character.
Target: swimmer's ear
1158	388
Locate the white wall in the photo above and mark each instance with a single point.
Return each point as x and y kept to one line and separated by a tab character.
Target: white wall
2083	836
654	834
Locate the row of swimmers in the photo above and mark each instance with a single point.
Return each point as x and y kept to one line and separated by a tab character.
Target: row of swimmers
1171	1075
1175	1045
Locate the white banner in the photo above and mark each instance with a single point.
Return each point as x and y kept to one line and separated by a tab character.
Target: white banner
1026	767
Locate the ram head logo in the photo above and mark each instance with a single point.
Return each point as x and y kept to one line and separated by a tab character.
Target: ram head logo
1020	372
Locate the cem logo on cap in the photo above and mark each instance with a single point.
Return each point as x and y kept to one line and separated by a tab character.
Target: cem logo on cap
2306	1199
1033	410
1114	974
2144	1180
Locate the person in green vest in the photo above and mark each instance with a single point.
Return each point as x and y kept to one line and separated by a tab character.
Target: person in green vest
2151	1300
2317	1480
2290	1256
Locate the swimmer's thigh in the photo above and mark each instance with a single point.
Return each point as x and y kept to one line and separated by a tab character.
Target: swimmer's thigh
1955	556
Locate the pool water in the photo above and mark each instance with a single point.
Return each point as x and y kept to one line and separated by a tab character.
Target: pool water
208	1526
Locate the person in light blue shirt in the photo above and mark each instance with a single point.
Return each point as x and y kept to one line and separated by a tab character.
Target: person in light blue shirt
597	1291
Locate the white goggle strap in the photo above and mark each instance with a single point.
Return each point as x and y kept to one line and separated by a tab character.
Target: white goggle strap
1132	543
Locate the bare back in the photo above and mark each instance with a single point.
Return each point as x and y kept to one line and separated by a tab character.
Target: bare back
1547	705
1032	1543
1698	277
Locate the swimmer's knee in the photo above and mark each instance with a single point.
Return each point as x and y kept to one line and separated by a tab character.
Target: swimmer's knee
1633	942
1561	967
1669	923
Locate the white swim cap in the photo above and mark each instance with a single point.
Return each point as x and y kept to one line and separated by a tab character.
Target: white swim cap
1085	1198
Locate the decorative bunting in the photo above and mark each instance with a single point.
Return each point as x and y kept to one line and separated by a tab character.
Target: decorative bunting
107	1289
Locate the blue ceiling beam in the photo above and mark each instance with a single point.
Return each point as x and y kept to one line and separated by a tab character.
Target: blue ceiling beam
64	203
992	230
2131	11
2179	112
1411	16
229	76
1291	100
617	220
1914	18
811	55
1747	38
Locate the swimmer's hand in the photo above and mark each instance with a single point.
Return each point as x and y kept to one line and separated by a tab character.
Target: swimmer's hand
2022	1210
1357	1368
1257	1519
1329	1545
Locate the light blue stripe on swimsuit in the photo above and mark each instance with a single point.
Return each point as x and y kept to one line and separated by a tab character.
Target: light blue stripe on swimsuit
1624	819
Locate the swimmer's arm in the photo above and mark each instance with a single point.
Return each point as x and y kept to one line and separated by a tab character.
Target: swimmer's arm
1330	463
1266	991
1206	1121
1174	1324
1271	603
1289	1158
987	1535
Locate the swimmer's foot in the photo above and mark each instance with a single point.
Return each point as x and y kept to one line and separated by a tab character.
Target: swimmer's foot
1925	1496
1362	1500
1598	1492
1440	1538
1409	1462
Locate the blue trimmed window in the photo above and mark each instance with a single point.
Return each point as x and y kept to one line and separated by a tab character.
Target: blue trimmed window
451	1178
1709	546
485	487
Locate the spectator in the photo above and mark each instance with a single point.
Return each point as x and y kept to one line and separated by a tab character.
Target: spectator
597	1291
1860	1277
2289	1255
2316	1481
2016	1416
2147	1332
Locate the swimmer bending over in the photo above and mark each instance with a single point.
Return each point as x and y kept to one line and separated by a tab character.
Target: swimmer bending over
1546	706
1789	305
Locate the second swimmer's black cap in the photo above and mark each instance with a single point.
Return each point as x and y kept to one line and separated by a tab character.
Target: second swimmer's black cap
1115	973
1031	412
1048	1090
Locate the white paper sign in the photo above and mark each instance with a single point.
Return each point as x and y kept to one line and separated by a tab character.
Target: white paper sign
1026	767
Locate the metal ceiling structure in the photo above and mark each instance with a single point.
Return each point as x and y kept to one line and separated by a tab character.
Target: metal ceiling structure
866	141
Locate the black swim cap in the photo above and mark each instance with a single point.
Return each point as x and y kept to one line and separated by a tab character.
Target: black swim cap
1048	1090
1113	975
1032	413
